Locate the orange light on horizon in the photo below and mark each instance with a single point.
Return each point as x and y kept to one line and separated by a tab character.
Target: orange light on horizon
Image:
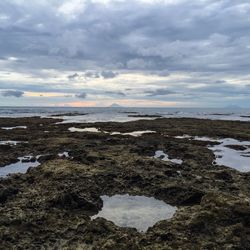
77	104
122	102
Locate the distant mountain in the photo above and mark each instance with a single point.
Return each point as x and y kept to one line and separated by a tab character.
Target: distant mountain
115	105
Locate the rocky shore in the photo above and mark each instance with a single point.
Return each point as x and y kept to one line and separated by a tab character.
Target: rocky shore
50	206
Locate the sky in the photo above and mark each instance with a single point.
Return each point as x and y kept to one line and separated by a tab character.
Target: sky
137	53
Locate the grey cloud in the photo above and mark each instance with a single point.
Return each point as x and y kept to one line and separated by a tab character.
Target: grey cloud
208	36
67	95
73	77
119	93
86	75
93	74
159	92
108	74
12	93
90	74
139	63
224	89
163	73
220	82
193	37
81	95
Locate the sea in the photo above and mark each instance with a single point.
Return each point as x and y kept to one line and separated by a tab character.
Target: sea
123	114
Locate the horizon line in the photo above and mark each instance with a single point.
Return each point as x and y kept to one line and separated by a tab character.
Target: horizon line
224	107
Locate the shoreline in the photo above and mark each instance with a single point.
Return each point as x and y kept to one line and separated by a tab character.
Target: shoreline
52	204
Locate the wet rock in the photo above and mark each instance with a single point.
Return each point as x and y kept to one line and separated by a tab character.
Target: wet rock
5	147
180	195
6	193
237	147
28	159
73	200
50	206
79	155
224	175
46	157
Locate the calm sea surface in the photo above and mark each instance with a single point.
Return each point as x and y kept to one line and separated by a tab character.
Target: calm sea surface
124	114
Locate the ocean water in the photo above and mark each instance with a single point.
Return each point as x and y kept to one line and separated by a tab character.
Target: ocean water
123	114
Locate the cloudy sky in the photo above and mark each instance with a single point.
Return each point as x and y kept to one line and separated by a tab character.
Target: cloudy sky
133	52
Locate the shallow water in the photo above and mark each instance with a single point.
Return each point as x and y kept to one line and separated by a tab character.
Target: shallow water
10	128
96	130
93	130
237	159
183	137
134	133
196	138
159	154
64	154
14	143
102	114
100	117
138	212
18	167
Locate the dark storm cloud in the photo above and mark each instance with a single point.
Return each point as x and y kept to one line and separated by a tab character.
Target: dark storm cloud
12	93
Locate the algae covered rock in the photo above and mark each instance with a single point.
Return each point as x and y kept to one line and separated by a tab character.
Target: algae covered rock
51	206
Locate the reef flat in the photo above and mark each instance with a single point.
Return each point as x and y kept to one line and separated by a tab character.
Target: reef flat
51	205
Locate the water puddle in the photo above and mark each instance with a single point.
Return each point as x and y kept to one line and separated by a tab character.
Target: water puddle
96	130
11	143
230	152
138	212
230	157
64	154
159	154
196	138
134	133
92	130
21	166
183	137
10	128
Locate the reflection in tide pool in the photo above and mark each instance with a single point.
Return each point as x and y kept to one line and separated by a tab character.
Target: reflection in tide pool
159	154
229	152
138	212
227	156
19	167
